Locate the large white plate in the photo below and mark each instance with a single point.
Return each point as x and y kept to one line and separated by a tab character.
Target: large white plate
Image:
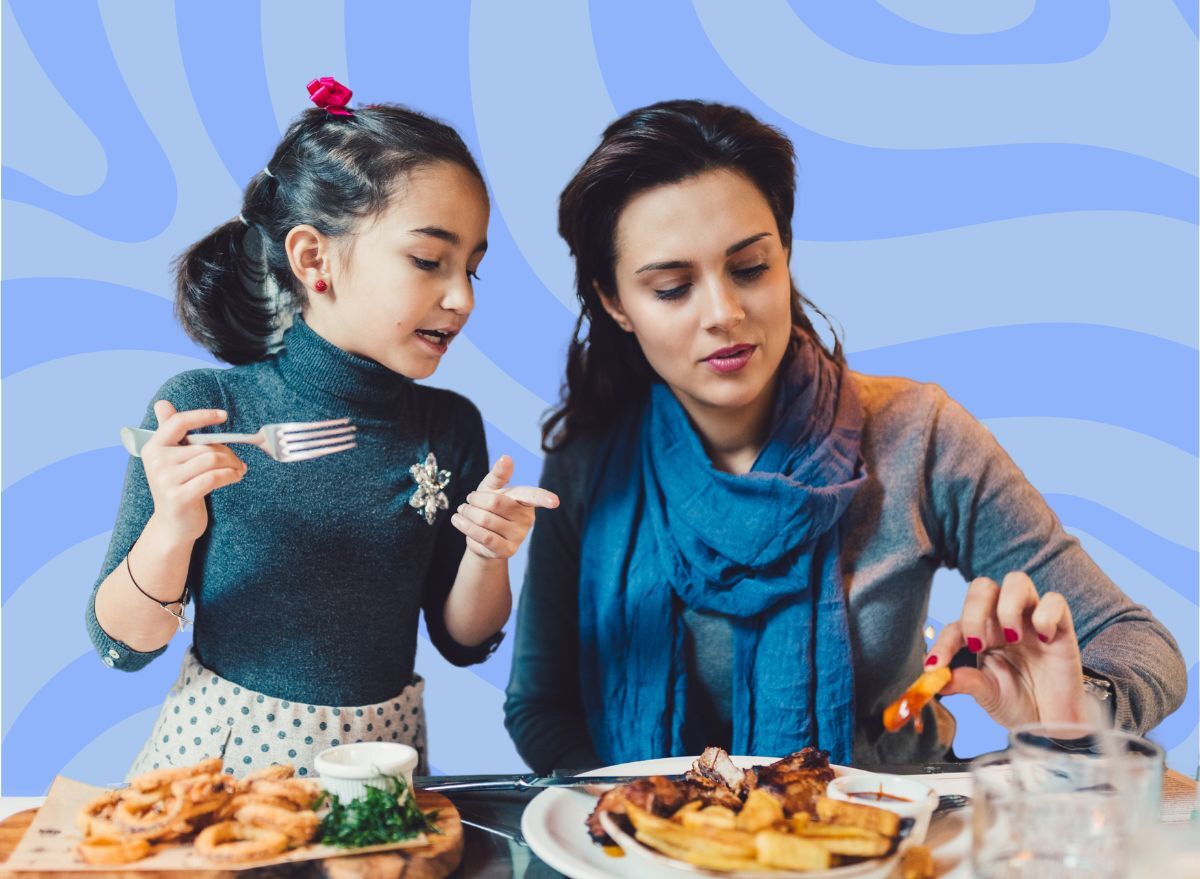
554	827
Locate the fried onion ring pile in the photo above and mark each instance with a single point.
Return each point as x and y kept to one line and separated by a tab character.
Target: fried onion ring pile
234	821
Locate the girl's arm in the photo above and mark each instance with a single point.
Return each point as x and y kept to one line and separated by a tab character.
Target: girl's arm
170	481
495	518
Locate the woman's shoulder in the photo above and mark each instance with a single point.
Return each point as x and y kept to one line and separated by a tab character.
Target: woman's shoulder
889	397
902	414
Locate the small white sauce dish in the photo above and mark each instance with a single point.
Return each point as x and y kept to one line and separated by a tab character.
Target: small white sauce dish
348	770
916	800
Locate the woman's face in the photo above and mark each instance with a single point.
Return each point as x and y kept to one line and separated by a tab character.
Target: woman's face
400	286
703	284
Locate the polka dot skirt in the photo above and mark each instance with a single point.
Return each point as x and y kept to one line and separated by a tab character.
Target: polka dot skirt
206	716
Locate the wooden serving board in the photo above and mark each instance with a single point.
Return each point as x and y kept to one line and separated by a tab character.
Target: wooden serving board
433	861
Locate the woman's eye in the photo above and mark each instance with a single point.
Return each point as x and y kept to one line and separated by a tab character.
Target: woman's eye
673	293
750	274
425	265
474	277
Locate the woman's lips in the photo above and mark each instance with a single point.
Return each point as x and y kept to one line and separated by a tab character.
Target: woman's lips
731	359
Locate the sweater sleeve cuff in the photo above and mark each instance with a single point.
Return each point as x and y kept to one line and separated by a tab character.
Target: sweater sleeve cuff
462	655
112	652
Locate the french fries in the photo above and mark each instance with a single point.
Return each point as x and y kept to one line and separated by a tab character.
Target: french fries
711	816
759	836
917	863
856	815
786	852
760	812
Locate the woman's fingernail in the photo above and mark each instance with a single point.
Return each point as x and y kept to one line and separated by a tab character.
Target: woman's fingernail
1011	636
974	645
932	660
1043	638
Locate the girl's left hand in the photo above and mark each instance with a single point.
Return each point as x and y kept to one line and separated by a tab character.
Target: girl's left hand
1027	655
495	519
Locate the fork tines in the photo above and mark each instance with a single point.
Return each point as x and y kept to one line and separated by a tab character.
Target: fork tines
300	441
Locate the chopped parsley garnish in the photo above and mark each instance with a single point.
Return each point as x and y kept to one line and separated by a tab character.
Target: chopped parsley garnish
377	819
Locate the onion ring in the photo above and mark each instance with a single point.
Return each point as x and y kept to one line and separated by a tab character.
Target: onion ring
100	807
295	790
274	772
231	841
112	850
156	816
229	809
299	827
163	777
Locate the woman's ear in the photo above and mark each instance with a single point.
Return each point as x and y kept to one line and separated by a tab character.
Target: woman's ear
612	305
308	253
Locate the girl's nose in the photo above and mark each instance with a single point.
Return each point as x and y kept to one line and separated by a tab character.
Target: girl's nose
460	297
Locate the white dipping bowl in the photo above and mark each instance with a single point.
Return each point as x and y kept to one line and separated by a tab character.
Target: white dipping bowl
919	800
348	770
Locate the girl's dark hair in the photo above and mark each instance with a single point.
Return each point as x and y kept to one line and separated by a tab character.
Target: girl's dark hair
329	172
664	143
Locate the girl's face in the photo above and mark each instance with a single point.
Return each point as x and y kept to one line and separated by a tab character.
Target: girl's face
703	284
400	286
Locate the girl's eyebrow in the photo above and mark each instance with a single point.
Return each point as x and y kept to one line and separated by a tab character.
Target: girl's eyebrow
685	264
448	236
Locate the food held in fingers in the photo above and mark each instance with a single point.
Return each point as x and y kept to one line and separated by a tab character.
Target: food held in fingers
914	699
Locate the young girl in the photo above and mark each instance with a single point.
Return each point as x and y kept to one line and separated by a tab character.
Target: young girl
306	578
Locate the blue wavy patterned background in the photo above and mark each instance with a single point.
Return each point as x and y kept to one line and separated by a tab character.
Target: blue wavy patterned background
997	196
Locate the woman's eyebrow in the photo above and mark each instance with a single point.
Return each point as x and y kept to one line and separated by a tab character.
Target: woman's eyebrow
446	235
745	242
686	264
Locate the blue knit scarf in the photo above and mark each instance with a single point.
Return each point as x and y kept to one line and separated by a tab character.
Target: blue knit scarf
666	530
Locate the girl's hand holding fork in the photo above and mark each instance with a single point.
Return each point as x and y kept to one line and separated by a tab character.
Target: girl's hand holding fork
181	476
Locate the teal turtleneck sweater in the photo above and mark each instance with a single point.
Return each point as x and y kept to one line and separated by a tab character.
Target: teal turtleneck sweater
308	582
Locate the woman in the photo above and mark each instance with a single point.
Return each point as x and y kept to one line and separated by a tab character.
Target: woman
749	530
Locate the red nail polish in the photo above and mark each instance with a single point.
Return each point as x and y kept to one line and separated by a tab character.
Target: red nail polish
974	645
932	660
1043	638
1011	636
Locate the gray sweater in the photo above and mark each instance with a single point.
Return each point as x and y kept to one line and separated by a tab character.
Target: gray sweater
940	493
310	579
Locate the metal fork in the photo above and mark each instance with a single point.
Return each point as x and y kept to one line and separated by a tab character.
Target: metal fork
286	442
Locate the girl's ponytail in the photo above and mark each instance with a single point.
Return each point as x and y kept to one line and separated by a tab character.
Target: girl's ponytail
219	294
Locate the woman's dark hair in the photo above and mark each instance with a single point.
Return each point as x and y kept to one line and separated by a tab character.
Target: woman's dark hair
329	172
656	145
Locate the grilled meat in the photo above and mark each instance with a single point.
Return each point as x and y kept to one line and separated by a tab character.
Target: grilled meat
656	794
723	783
796	780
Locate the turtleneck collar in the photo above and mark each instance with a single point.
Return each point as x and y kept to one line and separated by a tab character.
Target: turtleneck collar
327	369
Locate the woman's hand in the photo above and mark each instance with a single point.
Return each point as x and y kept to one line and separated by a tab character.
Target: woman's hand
181	476
496	519
1026	651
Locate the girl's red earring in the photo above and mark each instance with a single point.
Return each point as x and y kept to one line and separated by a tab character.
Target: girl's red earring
320	286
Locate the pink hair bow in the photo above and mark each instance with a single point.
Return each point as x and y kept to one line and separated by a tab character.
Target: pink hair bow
330	95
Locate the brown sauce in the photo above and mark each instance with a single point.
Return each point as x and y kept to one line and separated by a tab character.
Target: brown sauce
877	796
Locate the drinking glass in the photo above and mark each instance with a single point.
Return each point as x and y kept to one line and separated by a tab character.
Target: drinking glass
1064	800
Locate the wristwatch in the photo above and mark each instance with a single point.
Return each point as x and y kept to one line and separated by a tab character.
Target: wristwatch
1101	689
